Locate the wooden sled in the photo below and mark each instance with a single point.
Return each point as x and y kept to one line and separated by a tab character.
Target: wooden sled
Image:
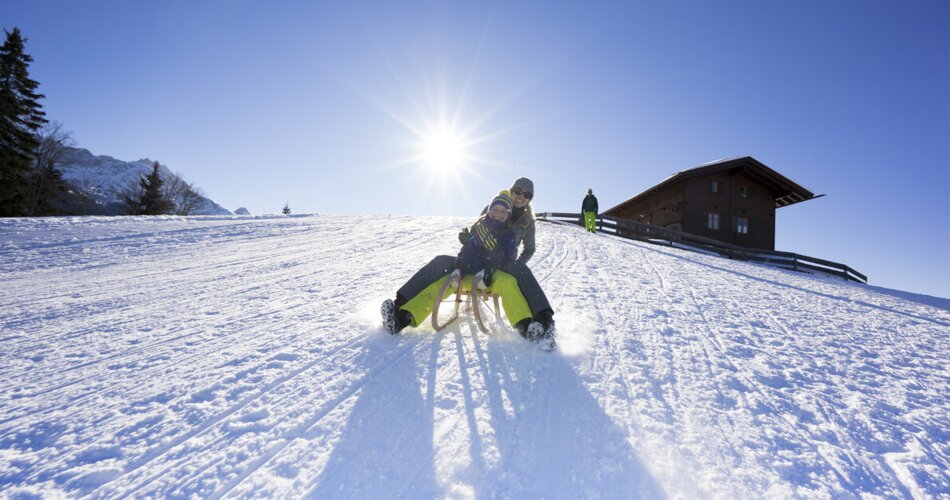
476	299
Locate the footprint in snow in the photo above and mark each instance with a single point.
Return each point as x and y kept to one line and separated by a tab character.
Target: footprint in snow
286	356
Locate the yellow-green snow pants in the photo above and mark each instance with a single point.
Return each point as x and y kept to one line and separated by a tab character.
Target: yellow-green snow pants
590	221
505	285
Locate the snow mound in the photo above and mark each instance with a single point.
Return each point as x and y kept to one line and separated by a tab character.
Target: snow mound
243	356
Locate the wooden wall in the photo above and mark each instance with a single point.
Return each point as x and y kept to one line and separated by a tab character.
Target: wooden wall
687	202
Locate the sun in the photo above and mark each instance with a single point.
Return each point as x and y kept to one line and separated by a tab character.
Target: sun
443	149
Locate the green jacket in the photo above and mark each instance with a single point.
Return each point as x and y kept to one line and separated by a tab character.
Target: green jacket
589	204
523	227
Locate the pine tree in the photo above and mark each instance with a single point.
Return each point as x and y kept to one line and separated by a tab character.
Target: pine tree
21	116
45	184
153	201
286	209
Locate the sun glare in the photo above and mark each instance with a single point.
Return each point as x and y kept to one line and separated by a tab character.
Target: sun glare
442	149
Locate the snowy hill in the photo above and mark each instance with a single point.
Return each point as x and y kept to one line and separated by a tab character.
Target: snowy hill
242	356
104	178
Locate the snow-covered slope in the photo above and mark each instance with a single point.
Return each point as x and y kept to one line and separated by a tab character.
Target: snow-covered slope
104	179
242	356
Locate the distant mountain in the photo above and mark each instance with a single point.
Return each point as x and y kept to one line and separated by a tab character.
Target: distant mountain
97	183
242	211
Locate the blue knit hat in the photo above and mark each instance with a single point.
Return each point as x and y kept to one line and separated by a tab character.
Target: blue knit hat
503	199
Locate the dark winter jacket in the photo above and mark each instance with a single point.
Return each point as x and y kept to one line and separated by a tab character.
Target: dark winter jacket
590	204
491	244
521	222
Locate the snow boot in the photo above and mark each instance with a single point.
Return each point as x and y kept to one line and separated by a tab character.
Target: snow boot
546	339
394	320
535	331
522	327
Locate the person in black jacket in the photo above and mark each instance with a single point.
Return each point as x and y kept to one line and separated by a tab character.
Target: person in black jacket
589	209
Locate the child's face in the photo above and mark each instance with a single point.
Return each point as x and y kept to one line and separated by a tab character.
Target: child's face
498	213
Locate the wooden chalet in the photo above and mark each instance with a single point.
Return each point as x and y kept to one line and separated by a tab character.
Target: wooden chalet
733	201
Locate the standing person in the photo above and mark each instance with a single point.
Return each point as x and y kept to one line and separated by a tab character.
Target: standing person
522	224
589	209
490	245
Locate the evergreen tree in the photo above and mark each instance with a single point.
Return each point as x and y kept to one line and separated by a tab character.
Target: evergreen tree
154	201
45	184
132	198
286	209
21	116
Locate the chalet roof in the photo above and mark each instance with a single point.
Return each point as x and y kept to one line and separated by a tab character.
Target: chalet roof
784	191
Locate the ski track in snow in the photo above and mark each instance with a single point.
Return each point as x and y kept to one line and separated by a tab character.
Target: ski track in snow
242	356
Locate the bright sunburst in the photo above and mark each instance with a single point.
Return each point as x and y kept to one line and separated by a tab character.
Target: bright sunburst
446	141
442	149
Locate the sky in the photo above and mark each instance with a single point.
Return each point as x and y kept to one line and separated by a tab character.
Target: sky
429	107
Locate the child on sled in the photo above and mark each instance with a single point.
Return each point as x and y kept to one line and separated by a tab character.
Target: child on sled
490	245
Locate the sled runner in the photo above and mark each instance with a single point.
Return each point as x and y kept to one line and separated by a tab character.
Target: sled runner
477	296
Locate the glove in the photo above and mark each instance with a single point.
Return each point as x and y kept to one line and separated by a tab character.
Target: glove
483	237
464	236
487	276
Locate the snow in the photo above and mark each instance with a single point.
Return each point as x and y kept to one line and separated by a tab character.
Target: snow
243	356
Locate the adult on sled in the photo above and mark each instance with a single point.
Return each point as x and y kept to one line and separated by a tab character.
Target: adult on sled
522	224
491	244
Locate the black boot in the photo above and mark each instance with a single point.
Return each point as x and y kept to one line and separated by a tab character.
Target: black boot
403	319
394	319
522	327
546	318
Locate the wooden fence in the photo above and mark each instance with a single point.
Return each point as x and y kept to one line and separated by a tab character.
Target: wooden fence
670	237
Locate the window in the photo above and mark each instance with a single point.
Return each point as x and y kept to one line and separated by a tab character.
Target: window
742	225
712	221
743	192
714	187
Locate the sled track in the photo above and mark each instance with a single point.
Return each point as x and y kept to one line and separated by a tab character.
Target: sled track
248	362
210	299
340	355
563	249
201	272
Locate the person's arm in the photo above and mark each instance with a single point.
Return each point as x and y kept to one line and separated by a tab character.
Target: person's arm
511	248
505	252
527	243
467	256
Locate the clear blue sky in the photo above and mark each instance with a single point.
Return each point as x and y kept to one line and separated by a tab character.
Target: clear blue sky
327	105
